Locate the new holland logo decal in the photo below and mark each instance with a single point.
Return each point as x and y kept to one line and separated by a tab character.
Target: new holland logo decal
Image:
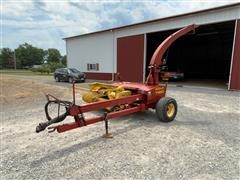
159	90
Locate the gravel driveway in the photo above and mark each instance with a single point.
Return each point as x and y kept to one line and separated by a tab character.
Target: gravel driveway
202	143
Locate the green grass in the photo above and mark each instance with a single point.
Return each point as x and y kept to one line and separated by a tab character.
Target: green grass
20	72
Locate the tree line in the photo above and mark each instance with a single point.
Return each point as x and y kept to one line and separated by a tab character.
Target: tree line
26	56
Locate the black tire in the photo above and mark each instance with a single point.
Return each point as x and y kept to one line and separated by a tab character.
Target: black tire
57	79
166	109
70	80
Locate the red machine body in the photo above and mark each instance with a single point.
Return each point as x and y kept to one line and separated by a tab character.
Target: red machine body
144	96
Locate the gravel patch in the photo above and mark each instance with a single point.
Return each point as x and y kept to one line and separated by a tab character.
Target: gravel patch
202	143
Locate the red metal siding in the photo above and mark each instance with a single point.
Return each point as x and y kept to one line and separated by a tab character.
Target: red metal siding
130	58
99	76
235	74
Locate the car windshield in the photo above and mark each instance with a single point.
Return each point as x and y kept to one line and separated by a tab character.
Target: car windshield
74	70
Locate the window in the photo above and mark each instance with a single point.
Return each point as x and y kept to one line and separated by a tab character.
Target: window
65	71
93	67
73	70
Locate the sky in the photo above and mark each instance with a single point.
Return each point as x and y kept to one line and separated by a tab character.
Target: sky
43	23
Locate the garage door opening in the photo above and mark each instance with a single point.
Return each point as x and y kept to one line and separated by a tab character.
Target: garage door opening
204	57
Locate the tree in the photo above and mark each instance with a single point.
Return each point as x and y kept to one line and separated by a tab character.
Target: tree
53	55
27	55
64	60
6	58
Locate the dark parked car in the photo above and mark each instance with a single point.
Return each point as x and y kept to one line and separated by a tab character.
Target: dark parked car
69	74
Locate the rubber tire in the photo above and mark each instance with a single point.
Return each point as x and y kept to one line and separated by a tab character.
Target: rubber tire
161	109
70	80
57	79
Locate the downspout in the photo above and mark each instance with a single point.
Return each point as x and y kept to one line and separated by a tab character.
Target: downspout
156	59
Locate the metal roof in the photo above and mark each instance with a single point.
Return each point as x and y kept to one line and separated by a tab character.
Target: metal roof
159	19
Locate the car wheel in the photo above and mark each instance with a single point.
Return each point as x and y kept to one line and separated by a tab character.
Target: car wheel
166	109
57	79
70	80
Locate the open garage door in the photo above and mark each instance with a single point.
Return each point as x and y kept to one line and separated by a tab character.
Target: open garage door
204	57
130	57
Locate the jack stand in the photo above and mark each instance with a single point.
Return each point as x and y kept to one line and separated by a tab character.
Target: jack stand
107	134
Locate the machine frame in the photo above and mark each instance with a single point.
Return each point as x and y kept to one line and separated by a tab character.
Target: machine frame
151	94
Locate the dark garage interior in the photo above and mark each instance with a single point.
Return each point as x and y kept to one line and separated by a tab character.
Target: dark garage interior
203	57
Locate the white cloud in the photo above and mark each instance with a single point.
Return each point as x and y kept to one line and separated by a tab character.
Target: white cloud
45	23
13	9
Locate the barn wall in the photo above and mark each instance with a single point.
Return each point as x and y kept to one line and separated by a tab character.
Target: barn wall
102	47
93	49
209	17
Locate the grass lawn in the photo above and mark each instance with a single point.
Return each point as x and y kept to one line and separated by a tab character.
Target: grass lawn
23	72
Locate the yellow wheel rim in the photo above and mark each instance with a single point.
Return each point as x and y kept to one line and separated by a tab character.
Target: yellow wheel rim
170	110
